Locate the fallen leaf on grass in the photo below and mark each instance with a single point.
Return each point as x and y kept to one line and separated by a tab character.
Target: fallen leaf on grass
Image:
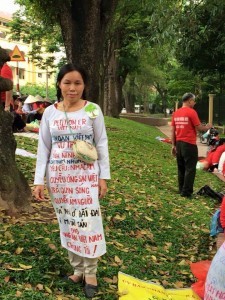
123	293
47	240
18	294
6	279
108	280
52	246
24	267
149	219
119	218
111	290
118	260
28	286
40	287
154	257
19	250
165	283
5	252
48	290
179	284
120	247
183	262
8	236
13	269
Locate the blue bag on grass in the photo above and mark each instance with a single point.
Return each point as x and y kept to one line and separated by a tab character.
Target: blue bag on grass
215	226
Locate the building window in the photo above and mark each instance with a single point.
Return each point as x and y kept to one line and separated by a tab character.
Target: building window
2	34
21	74
39	75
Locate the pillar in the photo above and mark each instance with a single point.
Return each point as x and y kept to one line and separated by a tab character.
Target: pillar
211	97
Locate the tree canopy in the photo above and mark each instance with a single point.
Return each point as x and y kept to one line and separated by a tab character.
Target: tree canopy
165	39
201	46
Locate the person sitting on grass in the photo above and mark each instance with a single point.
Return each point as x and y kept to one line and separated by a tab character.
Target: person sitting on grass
19	124
211	162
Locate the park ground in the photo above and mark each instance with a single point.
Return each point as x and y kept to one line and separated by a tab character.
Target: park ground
152	233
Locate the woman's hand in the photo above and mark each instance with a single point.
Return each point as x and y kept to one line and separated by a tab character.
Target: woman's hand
102	188
39	192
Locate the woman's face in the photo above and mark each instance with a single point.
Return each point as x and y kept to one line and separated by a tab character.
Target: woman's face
72	86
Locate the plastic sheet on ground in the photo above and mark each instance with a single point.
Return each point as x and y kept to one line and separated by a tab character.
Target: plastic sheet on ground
131	288
164	140
23	152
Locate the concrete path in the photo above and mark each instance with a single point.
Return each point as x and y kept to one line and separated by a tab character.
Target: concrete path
202	148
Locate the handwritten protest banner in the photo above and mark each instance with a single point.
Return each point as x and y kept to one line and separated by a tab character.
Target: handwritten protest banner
73	188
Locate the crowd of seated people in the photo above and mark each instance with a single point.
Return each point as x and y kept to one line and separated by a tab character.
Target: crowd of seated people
34	107
27	109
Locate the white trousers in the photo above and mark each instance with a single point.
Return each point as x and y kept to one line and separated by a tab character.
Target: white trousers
83	266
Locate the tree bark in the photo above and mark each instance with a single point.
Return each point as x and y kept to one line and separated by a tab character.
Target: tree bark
111	96
83	27
119	88
163	93
112	80
15	193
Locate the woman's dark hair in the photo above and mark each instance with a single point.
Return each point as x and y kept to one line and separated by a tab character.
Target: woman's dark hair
4	56
63	71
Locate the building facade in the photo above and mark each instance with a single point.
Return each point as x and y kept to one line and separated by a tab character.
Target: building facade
24	72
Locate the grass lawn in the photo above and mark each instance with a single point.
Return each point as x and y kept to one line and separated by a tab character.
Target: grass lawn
152	233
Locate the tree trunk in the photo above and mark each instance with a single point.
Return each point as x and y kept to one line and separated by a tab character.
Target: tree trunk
146	105
111	81
111	95
119	88
15	193
83	27
163	93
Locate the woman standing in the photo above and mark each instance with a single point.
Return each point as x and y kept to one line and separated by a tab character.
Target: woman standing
75	186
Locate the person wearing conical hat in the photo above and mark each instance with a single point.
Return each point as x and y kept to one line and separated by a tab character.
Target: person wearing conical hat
33	108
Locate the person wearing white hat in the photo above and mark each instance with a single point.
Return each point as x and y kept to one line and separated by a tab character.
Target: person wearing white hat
47	102
33	108
39	98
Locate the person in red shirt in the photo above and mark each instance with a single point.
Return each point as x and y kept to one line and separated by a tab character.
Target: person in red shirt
5	83
185	123
6	97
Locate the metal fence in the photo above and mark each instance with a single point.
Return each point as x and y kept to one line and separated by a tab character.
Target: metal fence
202	107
